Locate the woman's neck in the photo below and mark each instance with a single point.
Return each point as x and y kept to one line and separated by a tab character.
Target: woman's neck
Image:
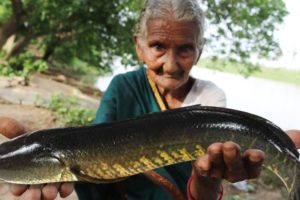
174	98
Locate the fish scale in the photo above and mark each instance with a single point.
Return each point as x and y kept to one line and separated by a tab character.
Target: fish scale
116	150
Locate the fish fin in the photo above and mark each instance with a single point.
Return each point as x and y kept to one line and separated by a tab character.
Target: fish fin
82	176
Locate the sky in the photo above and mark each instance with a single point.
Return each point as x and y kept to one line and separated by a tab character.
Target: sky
289	38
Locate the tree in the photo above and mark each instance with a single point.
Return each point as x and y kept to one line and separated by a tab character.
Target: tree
96	31
245	28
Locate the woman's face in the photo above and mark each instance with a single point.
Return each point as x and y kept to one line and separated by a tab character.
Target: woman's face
170	50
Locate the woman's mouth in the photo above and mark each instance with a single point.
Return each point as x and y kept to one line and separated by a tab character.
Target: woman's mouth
175	75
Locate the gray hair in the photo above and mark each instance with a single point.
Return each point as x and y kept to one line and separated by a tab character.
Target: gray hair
181	10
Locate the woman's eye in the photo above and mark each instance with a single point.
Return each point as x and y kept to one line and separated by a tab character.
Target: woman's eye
186	50
158	47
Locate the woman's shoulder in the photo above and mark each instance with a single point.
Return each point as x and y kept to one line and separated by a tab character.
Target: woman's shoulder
132	79
207	86
130	82
206	93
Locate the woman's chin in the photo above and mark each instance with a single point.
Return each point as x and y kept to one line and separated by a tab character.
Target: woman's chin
170	85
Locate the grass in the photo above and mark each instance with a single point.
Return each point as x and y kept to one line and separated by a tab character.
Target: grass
233	197
275	74
67	110
79	70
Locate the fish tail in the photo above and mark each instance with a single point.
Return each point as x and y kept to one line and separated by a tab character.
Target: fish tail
294	187
289	172
295	192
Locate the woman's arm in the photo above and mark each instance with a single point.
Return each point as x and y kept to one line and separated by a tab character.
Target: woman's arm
223	161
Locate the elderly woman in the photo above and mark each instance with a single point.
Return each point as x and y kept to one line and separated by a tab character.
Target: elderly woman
169	41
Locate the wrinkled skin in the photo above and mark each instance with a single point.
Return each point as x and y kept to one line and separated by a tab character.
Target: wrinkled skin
170	50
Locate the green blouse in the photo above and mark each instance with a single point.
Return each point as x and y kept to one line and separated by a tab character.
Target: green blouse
130	95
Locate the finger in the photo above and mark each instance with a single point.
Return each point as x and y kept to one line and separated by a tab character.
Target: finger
49	191
235	170
33	192
66	189
202	165
215	152
18	190
232	156
253	160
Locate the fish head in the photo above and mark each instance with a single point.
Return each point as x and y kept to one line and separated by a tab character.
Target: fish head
25	162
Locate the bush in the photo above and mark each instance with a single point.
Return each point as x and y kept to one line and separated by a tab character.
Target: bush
23	65
67	110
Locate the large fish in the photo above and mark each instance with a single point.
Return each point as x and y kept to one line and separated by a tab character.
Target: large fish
112	151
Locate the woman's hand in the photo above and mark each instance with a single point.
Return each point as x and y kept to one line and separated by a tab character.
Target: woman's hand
223	161
295	136
11	128
45	192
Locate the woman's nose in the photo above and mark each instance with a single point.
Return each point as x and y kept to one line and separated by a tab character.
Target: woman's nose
171	64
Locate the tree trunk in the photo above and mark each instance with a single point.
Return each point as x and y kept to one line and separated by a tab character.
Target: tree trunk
20	45
49	51
7	30
11	26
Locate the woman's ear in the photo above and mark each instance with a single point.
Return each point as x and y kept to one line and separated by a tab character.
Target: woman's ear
199	55
139	49
200	50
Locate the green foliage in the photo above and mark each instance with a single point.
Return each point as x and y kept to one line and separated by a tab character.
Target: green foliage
23	65
5	12
270	179
273	182
2	55
245	28
280	74
230	65
233	197
67	110
97	31
92	31
79	70
276	74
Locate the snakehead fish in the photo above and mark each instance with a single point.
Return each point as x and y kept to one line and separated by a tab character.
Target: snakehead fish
113	151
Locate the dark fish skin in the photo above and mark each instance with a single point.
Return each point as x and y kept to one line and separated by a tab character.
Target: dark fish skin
112	151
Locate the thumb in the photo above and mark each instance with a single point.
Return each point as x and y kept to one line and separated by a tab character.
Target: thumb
11	128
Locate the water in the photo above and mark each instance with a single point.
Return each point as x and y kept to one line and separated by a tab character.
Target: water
278	102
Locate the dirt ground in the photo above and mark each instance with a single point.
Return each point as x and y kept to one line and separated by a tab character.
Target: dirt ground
38	118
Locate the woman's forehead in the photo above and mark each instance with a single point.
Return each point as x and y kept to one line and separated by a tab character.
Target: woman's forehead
172	29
